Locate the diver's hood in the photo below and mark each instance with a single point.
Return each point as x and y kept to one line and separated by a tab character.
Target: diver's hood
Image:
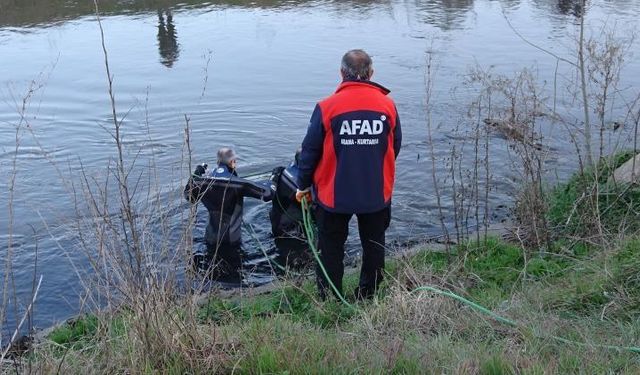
288	182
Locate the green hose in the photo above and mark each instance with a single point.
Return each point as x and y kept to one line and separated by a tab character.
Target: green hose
474	305
513	323
311	238
309	229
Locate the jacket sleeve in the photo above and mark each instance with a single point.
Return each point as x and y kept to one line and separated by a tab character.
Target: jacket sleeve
259	190
311	149
397	135
192	191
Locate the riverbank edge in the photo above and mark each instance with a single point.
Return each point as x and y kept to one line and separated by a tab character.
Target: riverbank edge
497	230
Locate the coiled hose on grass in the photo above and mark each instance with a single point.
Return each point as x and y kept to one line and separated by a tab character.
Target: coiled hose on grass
310	233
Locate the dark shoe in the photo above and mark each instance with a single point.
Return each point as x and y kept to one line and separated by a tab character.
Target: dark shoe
328	293
362	294
325	291
322	294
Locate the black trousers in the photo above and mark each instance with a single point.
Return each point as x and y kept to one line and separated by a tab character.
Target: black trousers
333	229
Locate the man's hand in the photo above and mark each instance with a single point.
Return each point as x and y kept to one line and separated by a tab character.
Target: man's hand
303	194
200	170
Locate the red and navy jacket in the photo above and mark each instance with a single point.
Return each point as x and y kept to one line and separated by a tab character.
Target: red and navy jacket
350	149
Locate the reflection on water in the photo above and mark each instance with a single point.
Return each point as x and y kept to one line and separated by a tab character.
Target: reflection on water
274	59
570	7
444	14
19	13
167	39
564	7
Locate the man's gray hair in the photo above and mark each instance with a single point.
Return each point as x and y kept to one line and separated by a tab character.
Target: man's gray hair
226	155
356	64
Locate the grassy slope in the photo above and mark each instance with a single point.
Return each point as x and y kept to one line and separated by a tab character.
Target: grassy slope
588	298
578	292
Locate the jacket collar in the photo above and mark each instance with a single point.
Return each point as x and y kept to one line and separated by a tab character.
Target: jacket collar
226	169
362	83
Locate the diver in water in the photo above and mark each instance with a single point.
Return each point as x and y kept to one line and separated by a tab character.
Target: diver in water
286	212
286	217
222	192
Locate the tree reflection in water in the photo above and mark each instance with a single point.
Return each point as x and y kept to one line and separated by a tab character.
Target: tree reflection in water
167	39
572	7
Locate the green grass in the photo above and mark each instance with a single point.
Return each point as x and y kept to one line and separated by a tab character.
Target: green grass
570	203
298	303
575	290
75	331
572	290
289	331
608	280
496	365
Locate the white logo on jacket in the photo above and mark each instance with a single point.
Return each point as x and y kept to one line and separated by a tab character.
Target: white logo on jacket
361	127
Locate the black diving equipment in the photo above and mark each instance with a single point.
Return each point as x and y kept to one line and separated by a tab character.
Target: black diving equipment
222	192
286	214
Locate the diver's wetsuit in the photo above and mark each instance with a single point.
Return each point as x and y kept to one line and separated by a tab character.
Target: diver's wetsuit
286	213
222	192
286	219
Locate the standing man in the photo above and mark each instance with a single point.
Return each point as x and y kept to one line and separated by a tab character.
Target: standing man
348	161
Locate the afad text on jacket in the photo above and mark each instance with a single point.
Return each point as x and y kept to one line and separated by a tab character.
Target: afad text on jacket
349	152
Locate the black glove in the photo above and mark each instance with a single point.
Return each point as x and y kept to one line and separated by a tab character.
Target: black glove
275	175
200	170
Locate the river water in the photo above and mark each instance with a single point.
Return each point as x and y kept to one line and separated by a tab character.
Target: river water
247	74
